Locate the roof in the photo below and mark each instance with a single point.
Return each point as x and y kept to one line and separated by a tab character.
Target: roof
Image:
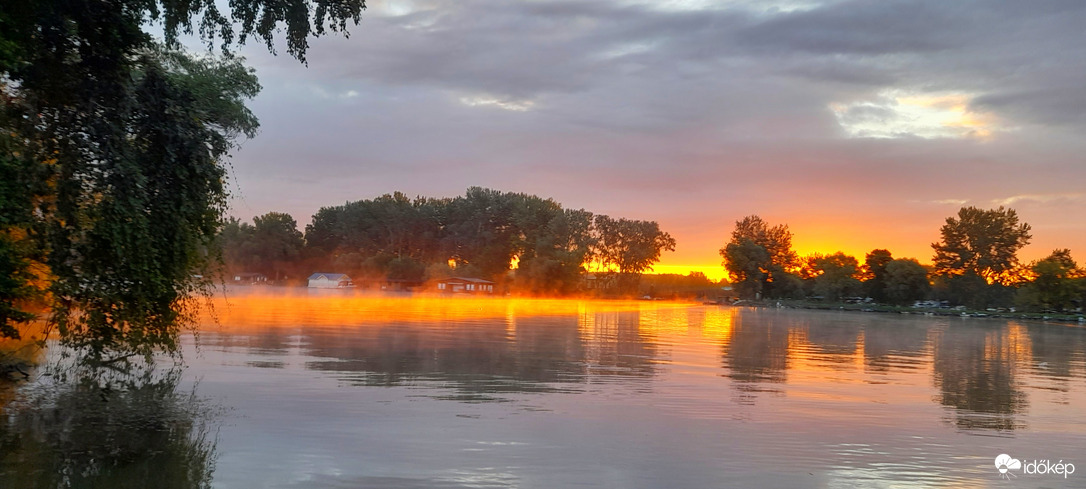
467	279
329	276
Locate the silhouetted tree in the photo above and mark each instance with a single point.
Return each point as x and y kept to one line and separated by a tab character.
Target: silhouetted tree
835	276
905	281
629	247
1055	286
759	257
481	233
875	273
979	248
270	246
371	237
558	253
980	242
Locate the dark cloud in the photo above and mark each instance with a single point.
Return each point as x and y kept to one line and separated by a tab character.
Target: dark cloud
862	27
1052	105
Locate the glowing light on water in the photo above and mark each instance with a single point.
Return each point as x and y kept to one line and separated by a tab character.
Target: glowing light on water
290	308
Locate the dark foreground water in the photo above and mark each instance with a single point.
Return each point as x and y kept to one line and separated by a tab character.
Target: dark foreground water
336	391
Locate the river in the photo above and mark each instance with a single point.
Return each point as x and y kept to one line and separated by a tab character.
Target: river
329	389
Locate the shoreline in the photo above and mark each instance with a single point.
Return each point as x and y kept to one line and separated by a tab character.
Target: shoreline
1074	319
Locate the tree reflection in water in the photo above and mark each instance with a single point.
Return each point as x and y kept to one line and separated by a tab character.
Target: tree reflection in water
130	430
755	356
483	359
975	373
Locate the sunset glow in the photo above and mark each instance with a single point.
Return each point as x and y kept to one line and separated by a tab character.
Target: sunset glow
347	308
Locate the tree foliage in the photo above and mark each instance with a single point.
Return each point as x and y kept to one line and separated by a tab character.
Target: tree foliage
482	233
979	242
271	245
905	281
976	259
23	274
129	235
835	276
759	259
1056	286
122	141
629	247
553	260
875	273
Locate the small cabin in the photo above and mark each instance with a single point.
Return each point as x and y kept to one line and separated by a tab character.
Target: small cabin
248	278
330	281
465	285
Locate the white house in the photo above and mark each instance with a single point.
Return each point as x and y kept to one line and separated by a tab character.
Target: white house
330	281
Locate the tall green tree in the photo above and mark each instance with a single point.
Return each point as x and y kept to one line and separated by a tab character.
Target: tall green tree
129	138
759	258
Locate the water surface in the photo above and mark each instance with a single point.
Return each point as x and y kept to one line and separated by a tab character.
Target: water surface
335	390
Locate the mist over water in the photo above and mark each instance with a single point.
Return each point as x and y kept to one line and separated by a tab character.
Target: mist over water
332	389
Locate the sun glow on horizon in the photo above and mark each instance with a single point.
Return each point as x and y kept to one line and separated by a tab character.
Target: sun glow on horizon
714	272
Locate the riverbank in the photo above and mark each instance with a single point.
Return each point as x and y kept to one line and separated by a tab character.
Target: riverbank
1068	318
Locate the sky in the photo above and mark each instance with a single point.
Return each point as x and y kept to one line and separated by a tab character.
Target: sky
859	124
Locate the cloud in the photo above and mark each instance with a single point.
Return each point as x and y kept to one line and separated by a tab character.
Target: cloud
682	111
1043	199
861	28
501	103
896	114
954	202
1053	105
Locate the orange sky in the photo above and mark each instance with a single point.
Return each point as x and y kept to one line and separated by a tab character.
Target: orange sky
904	238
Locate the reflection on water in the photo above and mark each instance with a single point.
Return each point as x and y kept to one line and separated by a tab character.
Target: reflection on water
338	390
134	434
756	355
975	373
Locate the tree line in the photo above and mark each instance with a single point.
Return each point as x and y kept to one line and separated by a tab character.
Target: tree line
975	264
481	234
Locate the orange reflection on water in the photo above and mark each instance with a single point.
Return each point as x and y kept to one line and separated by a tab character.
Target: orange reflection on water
294	307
